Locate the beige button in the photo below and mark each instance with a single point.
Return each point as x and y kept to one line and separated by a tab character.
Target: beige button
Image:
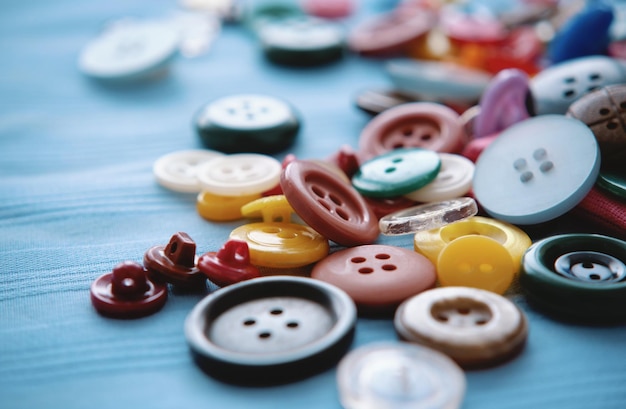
472	326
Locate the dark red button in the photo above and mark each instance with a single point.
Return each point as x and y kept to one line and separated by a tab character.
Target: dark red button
329	205
126	292
175	263
229	265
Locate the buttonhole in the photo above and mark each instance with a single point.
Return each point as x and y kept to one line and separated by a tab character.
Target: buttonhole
249	322
265	335
389	267
366	270
604	111
390	170
570	93
292	324
358	260
383	256
276	311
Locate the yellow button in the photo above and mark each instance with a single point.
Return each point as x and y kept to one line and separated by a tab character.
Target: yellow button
477	262
271	209
282	245
222	208
431	242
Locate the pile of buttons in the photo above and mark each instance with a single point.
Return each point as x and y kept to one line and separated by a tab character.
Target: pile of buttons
496	121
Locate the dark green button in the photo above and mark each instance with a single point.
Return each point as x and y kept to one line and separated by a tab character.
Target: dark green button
612	177
247	123
301	41
397	172
577	276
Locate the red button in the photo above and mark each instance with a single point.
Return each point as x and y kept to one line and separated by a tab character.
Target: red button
377	277
126	292
425	125
175	263
229	265
328	204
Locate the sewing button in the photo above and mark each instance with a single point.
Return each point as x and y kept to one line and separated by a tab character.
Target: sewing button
552	159
399	375
177	170
555	88
377	277
229	265
328	8
130	51
126	292
329	205
391	33
612	177
282	245
427	216
373	101
175	263
463	29
273	208
478	262
503	103
431	242
425	125
219	208
474	327
444	81
397	172
271	330
577	276
384	206
453	180
247	123
604	112
301	41
239	174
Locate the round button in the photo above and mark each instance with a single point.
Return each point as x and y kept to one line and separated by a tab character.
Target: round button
177	171
175	263
477	262
129	51
384	206
328	204
431	242
474	327
282	245
397	172
222	208
391	33
552	160
453	180
126	292
427	216
399	375
503	103
329	8
247	123
439	80
301	41
230	265
377	277
577	276
425	125
270	330
239	175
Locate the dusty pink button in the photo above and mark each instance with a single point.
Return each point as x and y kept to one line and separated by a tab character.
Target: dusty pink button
377	277
329	205
426	125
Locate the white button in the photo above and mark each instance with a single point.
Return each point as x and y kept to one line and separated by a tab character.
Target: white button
239	174
399	375
453	180
537	169
177	171
129	50
247	112
301	33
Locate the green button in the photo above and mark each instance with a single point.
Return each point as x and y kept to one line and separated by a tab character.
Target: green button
612	177
247	123
577	276
397	172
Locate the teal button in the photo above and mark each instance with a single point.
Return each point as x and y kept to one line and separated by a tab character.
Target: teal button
397	172
612	178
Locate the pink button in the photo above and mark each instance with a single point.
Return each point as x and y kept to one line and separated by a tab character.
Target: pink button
377	277
427	125
328	8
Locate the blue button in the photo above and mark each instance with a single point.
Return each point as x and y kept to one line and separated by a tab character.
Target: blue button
537	170
556	88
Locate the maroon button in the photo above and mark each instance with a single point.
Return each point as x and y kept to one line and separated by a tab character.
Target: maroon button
377	277
391	33
427	125
329	205
476	146
346	159
229	265
175	263
126	292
